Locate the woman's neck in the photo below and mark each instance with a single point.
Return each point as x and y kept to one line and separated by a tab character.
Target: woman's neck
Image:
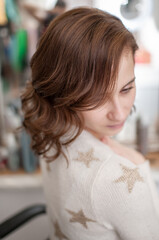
101	137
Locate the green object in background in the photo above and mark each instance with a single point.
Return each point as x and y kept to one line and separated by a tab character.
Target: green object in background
19	50
18	45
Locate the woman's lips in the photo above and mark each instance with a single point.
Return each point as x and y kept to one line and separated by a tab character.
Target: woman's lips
116	126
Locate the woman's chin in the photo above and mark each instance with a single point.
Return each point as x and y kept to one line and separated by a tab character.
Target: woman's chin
108	131
113	132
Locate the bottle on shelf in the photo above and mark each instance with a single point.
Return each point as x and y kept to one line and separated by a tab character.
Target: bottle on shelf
142	134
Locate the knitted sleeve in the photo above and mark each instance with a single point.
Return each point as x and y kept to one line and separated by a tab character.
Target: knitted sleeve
124	196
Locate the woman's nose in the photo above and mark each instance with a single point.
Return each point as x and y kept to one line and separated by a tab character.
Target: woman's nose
116	111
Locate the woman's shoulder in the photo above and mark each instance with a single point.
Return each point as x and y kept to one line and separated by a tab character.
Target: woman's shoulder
124	165
88	145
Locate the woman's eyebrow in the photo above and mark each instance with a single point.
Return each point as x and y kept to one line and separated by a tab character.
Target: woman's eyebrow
129	82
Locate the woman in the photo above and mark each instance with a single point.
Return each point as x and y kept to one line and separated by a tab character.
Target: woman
81	93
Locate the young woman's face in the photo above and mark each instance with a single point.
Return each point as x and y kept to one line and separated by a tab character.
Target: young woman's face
109	119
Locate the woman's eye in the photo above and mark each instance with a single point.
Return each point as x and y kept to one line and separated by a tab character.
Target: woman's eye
126	90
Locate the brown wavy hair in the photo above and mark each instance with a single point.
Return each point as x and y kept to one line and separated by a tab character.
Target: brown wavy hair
73	69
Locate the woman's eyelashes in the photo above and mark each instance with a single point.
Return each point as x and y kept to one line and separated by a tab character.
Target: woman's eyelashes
126	90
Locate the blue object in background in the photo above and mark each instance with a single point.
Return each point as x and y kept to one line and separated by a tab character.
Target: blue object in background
12	11
29	159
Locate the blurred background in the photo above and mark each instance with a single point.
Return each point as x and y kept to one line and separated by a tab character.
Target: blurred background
22	22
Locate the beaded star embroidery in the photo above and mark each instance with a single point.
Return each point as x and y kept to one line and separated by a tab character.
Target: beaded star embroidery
79	217
130	176
86	157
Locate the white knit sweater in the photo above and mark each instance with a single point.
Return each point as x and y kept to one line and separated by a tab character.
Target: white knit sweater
100	195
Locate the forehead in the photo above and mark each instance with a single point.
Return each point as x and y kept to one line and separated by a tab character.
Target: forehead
126	69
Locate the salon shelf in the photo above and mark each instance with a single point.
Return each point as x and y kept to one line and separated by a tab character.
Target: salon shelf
153	157
20	179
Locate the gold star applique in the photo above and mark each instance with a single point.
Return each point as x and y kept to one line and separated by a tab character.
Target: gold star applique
86	157
79	217
130	176
58	232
